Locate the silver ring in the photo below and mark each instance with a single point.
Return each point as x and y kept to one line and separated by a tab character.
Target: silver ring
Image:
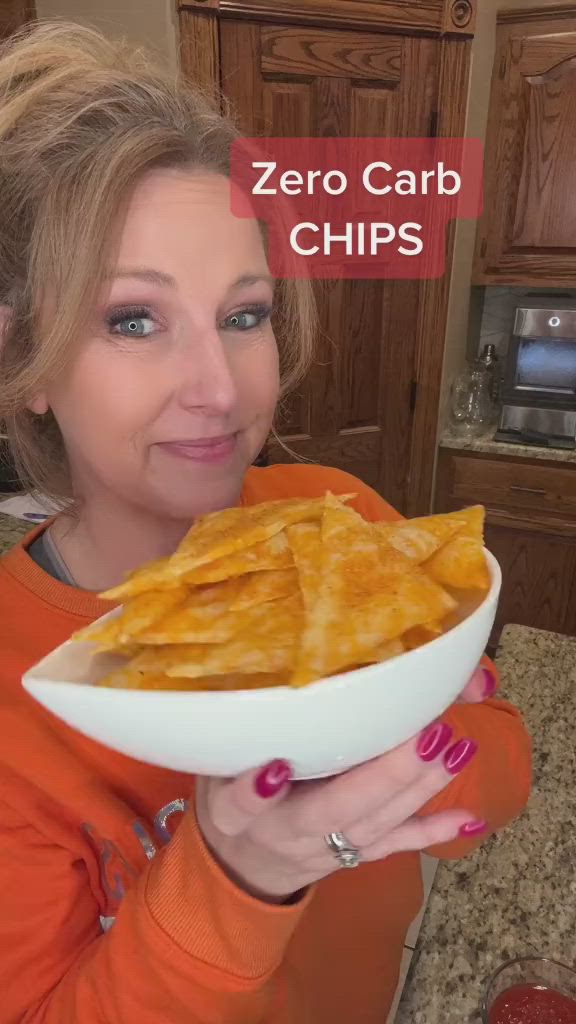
347	855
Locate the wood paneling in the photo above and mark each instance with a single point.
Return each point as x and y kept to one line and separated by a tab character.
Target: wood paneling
530	14
347	84
526	486
199	50
528	231
370	402
298	51
354	451
432	309
434	17
539	572
459	16
14	14
530	528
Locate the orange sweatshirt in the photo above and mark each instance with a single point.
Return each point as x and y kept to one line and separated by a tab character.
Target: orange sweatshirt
111	909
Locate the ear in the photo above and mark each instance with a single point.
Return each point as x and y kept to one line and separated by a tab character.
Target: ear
39	404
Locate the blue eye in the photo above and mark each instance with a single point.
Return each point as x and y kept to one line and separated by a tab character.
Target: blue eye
136	323
140	326
247	319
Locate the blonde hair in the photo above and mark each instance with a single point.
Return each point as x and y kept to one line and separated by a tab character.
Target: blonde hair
82	119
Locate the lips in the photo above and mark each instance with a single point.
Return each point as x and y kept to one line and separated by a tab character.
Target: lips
202	449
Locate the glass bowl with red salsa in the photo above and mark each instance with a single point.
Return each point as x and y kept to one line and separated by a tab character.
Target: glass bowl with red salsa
531	990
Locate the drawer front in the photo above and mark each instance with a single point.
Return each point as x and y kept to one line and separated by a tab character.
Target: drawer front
514	485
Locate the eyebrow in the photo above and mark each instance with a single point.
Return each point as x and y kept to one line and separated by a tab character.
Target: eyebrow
159	277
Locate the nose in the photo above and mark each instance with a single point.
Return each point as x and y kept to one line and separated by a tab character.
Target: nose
206	380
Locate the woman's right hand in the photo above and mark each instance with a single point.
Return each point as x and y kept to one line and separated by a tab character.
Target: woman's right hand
268	834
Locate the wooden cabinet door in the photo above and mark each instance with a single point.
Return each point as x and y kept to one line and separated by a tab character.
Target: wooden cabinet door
14	14
530	528
528	231
355	410
539	575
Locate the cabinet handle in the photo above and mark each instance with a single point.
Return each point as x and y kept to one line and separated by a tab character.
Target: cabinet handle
527	490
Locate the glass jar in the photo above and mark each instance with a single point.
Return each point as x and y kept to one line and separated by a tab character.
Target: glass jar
472	408
520	989
489	360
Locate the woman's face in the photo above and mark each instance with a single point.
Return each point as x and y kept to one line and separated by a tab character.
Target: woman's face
173	390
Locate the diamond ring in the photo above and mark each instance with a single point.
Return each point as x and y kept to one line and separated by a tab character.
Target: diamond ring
347	855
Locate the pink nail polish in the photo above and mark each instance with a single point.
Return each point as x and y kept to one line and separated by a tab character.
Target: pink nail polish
433	741
272	778
459	755
489	683
473	828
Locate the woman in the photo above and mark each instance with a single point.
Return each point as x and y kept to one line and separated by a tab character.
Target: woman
140	377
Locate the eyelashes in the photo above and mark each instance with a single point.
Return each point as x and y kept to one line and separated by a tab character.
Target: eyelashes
248	318
125	312
139	321
133	317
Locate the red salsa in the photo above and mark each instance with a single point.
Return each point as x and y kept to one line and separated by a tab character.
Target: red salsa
528	1004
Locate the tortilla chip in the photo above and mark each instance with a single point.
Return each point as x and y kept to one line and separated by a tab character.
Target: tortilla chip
152	576
304	542
390	649
261	587
129	679
292	591
217	546
189	625
138	615
418	539
204	617
222	533
223	609
142	611
451	546
368	593
474	518
420	635
106	636
273	553
265	641
195	660
461	563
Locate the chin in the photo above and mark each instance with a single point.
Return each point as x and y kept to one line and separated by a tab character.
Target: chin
187	502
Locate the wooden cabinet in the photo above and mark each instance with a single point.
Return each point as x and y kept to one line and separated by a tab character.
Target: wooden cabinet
527	486
14	14
351	68
530	528
527	234
539	573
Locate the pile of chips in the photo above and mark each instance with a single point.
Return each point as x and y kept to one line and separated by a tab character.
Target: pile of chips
288	592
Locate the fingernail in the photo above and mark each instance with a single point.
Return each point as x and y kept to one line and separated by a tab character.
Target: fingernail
433	741
473	828
272	778
459	755
489	683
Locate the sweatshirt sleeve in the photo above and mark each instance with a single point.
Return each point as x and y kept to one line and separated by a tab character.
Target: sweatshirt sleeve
495	786
187	946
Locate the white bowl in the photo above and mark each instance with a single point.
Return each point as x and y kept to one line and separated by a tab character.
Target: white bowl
322	729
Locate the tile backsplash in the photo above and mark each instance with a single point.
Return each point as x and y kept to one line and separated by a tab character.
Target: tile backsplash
492	314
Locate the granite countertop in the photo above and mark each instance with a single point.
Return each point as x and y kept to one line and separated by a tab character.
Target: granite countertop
11	530
488	446
516	896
